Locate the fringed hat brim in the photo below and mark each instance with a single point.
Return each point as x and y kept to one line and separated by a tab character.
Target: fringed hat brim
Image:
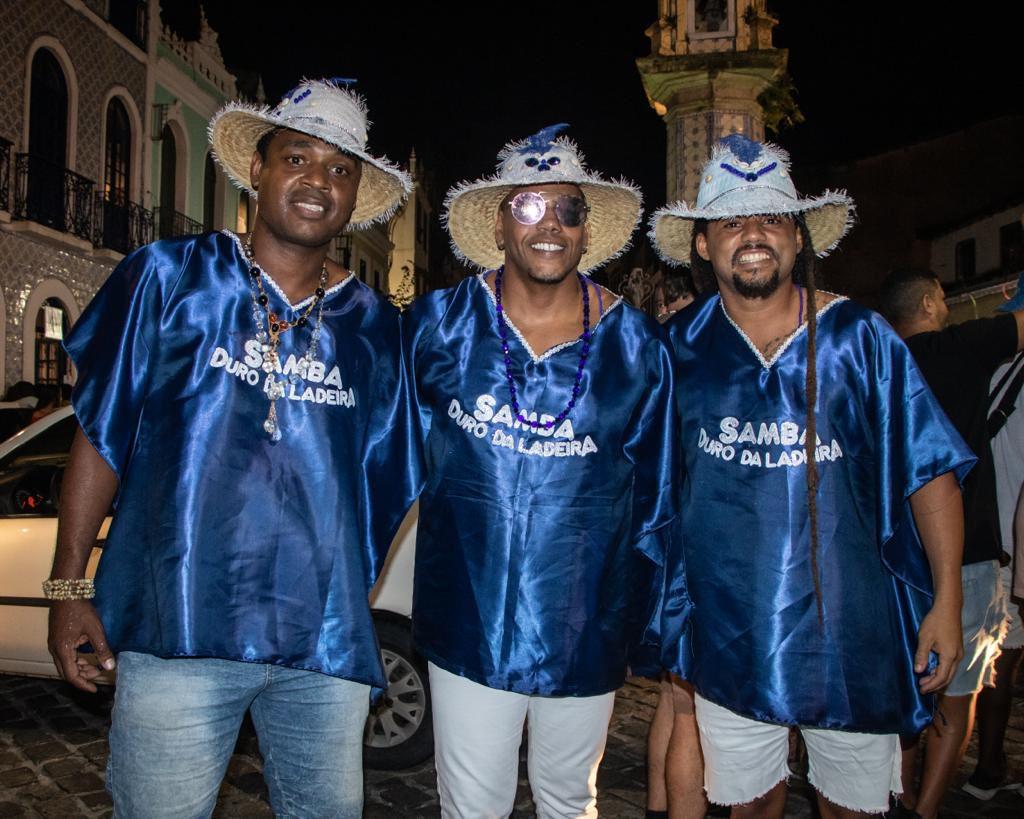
237	128
829	218
471	214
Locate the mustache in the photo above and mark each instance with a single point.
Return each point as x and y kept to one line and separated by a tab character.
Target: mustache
748	248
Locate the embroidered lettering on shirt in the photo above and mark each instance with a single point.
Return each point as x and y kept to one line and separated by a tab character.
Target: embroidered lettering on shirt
320	386
500	427
765	444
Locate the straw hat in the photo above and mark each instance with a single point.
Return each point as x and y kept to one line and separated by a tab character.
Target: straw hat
326	111
747	178
471	208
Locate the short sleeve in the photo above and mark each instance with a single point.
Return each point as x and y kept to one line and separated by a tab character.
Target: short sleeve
418	323
915	443
651	446
392	452
111	346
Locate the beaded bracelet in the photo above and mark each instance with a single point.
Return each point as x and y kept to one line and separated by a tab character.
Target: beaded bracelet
80	588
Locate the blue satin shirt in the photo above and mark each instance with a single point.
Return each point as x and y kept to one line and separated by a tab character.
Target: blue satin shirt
225	543
537	550
757	646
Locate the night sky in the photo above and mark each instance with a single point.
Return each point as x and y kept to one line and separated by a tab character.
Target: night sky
456	81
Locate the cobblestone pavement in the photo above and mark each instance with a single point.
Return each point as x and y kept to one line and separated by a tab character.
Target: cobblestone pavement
53	748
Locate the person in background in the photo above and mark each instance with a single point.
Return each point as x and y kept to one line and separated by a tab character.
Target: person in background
673	293
958	362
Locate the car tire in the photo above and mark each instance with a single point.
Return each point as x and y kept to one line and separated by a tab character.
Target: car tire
399	730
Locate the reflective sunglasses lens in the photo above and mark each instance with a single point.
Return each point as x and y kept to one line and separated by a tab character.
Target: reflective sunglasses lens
570	210
527	207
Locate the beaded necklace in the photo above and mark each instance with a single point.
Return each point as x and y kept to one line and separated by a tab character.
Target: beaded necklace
584	352
269	338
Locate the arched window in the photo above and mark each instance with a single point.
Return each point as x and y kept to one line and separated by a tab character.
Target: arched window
114	209
168	176
209	193
47	140
52	326
117	154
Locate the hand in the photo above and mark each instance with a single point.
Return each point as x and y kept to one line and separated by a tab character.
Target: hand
940	632
72	624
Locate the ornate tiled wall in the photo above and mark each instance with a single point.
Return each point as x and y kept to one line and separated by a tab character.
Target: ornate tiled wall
24	263
99	63
690	144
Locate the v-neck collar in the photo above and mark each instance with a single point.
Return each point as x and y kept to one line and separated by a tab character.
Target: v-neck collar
768	363
276	287
482	279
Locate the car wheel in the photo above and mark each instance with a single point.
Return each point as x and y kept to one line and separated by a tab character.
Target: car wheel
399	732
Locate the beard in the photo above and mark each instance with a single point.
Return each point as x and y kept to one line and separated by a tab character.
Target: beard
552	279
758	289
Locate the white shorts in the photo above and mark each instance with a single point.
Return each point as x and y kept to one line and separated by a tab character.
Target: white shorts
744	759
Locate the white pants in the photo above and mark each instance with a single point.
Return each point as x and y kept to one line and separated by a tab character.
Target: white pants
477	734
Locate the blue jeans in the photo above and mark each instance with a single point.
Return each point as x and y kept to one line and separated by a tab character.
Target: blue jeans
175	724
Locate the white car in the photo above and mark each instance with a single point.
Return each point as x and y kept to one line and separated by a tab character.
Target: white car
398	731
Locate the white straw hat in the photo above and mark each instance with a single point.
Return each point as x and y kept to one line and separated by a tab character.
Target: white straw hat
471	208
322	109
747	178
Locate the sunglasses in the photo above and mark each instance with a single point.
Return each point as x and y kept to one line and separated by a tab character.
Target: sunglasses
528	208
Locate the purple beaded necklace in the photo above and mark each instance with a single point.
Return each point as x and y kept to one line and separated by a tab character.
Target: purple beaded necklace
584	352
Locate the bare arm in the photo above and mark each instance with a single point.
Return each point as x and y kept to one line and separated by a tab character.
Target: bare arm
939	515
1019	315
88	489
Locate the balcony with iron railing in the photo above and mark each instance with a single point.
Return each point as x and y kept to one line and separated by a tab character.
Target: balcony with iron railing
5	174
170	223
63	200
120	224
52	195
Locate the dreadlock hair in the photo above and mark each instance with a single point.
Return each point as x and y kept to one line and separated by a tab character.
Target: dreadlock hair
804	273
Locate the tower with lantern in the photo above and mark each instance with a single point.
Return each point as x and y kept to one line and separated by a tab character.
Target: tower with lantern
712	71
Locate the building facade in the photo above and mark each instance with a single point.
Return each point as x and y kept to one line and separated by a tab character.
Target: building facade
410	233
102	149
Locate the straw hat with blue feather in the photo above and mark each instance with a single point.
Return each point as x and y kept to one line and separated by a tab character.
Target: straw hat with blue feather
748	178
327	110
471	208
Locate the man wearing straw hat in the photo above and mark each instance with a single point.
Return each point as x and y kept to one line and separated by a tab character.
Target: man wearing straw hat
546	410
239	400
811	448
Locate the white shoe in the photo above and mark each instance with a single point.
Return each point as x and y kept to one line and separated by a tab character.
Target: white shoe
987	793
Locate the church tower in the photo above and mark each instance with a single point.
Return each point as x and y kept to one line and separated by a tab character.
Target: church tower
710	63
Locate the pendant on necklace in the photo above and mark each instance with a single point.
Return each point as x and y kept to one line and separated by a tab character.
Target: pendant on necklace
269	339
